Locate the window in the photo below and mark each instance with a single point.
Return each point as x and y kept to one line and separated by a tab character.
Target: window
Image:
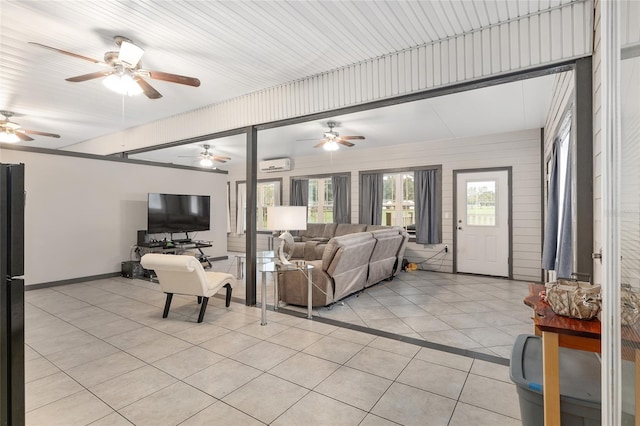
481	203
267	194
408	198
320	204
398	205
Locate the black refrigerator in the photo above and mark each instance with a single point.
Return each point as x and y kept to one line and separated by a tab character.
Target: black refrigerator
12	203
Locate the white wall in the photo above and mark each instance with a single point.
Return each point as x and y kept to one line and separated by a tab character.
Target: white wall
82	215
521	150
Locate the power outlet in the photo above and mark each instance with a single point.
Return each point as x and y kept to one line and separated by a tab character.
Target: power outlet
446	248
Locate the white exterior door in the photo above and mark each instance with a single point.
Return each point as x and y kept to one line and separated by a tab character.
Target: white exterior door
482	223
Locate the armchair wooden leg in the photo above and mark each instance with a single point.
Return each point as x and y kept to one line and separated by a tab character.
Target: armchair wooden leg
229	289
199	299
203	308
167	304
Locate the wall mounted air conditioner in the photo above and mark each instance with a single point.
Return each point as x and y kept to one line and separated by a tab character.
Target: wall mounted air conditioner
275	165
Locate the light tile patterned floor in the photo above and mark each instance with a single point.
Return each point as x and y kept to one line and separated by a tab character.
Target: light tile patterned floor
99	353
475	313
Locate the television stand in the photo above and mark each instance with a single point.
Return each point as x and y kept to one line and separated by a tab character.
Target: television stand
176	247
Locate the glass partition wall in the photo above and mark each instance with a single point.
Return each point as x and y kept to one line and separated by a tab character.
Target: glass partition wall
629	208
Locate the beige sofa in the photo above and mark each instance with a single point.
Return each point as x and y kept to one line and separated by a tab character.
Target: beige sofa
310	243
348	263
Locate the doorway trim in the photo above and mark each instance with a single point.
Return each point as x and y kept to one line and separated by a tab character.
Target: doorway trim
509	170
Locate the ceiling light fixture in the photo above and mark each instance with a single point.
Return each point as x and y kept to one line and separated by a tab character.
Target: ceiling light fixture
206	162
9	137
332	145
130	54
122	83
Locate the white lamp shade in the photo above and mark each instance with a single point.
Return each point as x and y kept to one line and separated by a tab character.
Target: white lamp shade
286	218
130	54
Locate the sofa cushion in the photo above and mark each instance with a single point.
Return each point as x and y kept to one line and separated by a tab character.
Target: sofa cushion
349	228
329	231
377	227
313	230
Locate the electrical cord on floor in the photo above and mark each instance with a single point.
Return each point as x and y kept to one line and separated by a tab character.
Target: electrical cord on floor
422	262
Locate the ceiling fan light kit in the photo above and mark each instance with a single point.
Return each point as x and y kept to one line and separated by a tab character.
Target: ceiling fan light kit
332	140
8	137
331	146
207	158
206	162
123	73
11	132
123	84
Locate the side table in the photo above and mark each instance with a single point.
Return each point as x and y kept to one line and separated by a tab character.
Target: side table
274	268
261	257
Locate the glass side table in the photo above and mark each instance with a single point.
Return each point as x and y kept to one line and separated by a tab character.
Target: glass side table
274	268
261	257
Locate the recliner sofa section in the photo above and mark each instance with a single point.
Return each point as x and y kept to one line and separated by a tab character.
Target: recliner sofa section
348	264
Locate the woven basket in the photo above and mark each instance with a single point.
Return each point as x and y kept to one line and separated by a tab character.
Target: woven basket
629	305
572	298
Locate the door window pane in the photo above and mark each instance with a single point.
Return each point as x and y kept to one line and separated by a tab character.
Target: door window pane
481	203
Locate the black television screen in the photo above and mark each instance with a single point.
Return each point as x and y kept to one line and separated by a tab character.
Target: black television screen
178	213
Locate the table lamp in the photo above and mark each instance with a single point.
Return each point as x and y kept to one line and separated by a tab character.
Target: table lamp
285	219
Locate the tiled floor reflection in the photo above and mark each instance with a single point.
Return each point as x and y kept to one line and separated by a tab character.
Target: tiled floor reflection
100	353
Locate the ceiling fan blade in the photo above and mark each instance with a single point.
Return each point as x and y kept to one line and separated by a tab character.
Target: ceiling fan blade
324	141
23	137
35	132
91	76
75	55
345	143
148	90
221	159
351	137
172	78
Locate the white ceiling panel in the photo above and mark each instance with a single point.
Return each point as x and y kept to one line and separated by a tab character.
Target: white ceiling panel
233	47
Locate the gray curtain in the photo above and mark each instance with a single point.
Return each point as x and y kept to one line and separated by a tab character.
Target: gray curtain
425	186
564	263
557	250
299	192
371	193
550	244
340	188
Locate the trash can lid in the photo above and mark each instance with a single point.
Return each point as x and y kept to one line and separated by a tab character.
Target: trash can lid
579	370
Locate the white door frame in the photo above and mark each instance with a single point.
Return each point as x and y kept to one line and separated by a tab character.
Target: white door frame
454	222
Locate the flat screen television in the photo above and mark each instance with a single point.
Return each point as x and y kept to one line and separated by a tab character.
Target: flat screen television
178	213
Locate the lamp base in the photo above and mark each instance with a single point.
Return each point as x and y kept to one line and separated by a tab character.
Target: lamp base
283	256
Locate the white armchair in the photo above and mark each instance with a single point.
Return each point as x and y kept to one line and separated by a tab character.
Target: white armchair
182	274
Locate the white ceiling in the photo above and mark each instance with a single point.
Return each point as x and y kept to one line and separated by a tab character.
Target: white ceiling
238	47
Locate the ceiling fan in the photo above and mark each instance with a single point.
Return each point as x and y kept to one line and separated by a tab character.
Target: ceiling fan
124	70
331	139
11	132
207	157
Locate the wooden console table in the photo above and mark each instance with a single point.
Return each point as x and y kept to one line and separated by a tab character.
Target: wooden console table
557	330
